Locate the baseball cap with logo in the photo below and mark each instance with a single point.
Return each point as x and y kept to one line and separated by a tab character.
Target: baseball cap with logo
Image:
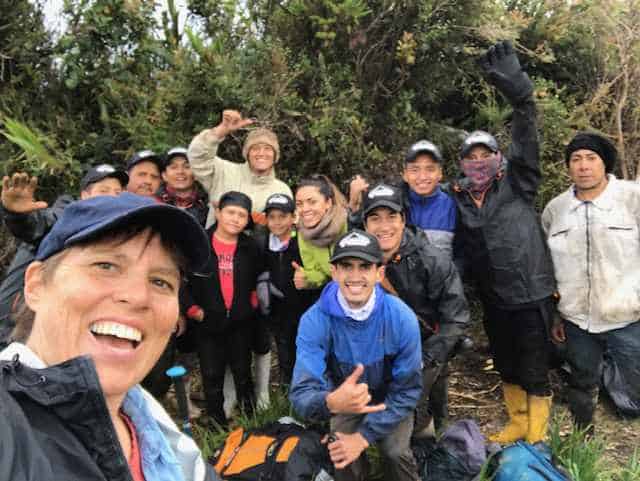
478	137
281	202
103	171
423	147
382	195
358	244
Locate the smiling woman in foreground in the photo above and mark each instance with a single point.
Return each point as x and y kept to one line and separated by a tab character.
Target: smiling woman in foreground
101	302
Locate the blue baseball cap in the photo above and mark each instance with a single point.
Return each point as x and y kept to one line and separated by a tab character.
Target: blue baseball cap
85	219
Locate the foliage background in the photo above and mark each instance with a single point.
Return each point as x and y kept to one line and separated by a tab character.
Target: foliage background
346	84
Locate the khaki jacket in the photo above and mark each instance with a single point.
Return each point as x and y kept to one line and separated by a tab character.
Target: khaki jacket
218	175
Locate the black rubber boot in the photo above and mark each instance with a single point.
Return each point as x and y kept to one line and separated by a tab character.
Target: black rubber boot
582	404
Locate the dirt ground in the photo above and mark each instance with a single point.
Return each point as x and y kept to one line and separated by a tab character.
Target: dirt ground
475	393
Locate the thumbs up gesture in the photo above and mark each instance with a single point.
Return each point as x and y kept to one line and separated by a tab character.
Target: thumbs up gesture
299	277
352	397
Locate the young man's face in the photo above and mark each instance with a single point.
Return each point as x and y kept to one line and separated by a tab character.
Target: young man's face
587	169
178	174
279	223
423	174
387	226
356	279
106	186
261	158
144	178
232	220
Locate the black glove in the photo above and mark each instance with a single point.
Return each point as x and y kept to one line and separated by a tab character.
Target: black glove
264	296
265	289
439	347
502	68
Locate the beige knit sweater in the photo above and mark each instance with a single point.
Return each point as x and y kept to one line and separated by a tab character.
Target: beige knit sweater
218	175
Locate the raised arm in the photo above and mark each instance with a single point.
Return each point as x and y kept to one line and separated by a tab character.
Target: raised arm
203	150
27	219
503	70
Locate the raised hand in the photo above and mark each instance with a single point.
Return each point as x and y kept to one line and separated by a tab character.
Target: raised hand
356	187
502	68
232	120
17	194
352	397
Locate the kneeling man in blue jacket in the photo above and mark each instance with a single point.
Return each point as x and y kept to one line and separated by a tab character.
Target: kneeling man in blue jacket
359	364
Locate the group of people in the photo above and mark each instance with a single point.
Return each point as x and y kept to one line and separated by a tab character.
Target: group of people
192	255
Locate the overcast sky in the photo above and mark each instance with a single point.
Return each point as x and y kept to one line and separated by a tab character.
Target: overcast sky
54	21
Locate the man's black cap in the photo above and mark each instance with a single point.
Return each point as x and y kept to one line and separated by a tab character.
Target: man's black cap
357	244
595	143
423	147
281	202
144	156
103	171
478	137
382	195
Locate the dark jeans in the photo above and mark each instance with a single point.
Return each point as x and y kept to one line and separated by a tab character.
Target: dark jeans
398	461
216	352
285	331
261	343
520	345
585	352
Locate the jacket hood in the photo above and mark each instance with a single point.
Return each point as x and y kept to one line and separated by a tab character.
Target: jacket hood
330	305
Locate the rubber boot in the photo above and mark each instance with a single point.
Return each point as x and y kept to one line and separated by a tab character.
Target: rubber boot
230	397
582	404
194	411
263	370
515	398
539	412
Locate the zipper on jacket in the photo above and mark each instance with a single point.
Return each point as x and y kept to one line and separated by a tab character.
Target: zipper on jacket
588	234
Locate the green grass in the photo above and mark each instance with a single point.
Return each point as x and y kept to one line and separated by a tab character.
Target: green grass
581	455
210	438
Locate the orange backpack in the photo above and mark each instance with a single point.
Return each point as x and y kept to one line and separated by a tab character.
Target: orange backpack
278	452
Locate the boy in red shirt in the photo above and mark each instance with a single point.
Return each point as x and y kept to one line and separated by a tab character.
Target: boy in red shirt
224	304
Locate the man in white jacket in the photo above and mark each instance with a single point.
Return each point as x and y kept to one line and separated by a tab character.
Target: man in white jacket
593	233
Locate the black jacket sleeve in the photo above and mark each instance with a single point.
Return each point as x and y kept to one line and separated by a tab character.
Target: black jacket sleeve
32	227
446	291
523	170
